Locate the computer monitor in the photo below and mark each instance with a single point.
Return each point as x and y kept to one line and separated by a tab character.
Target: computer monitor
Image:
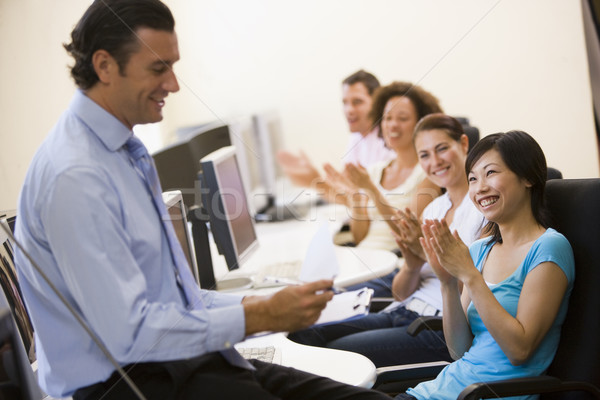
178	163
243	138
209	138
224	199
183	133
11	218
264	139
283	200
177	212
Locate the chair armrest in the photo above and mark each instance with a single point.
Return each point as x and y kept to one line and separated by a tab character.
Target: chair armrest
396	379
524	386
420	371
431	323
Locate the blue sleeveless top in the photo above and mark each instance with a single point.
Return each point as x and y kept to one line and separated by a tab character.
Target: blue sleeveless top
485	360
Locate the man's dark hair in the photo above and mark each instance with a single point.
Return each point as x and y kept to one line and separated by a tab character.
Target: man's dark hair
111	25
364	77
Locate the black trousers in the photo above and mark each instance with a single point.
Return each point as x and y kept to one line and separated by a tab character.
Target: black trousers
404	396
211	377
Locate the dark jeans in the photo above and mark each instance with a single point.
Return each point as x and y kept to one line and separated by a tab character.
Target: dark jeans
382	287
211	377
381	337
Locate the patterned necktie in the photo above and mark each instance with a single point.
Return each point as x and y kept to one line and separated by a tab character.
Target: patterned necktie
183	273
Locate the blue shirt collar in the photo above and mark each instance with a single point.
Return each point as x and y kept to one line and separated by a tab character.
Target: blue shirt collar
103	124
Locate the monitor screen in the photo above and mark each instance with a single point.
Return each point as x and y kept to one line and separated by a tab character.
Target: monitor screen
225	201
177	212
264	143
249	158
178	164
11	217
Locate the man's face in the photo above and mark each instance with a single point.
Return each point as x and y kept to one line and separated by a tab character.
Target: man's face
357	104
137	95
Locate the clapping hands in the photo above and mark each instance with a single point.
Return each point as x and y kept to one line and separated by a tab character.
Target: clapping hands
299	168
358	175
445	251
408	231
345	189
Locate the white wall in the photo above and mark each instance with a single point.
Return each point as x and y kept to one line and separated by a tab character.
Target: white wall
34	81
506	64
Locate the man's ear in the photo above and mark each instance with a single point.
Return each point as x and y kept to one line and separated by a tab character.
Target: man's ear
104	65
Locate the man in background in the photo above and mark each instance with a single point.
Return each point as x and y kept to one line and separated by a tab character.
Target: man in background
365	145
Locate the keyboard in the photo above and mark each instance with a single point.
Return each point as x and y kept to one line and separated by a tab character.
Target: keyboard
282	269
269	354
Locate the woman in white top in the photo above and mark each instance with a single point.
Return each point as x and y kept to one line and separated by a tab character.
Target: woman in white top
442	149
374	195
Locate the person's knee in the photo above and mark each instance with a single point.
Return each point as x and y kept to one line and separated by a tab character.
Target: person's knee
309	337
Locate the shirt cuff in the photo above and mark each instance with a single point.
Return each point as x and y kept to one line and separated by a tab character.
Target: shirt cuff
226	326
225	300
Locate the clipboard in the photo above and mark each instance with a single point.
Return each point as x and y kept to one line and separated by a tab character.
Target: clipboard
346	306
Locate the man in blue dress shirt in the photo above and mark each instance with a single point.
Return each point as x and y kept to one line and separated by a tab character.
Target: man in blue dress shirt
87	218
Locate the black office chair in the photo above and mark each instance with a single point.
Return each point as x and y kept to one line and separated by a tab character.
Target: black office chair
472	132
473	135
575	371
16	376
554	173
17	380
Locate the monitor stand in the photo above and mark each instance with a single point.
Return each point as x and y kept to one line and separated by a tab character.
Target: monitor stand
198	217
273	212
235	284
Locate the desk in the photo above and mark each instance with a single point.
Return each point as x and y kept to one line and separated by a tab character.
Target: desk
288	240
342	366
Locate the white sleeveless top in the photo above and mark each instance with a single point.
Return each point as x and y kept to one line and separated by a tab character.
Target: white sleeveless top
380	234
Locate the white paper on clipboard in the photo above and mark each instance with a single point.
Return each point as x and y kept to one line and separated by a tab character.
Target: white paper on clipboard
347	305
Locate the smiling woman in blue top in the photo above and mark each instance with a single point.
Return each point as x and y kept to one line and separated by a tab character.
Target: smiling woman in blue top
516	282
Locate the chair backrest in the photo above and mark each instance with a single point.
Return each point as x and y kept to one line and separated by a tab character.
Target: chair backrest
554	173
17	379
12	292
575	207
473	135
471	131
